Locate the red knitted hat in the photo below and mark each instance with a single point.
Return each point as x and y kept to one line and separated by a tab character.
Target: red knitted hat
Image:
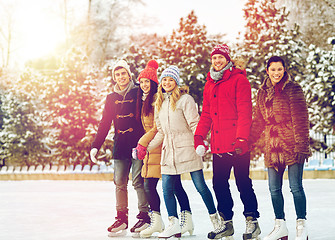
222	49
150	71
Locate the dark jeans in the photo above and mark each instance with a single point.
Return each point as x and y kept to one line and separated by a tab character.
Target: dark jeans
150	188
222	165
295	173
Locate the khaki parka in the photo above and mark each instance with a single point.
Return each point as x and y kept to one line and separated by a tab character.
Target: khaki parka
176	131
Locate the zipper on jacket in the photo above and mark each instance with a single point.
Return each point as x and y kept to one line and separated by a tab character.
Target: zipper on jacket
172	147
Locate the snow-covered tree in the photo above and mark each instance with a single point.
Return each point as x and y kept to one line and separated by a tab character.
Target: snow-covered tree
104	32
319	86
316	19
22	136
267	34
70	97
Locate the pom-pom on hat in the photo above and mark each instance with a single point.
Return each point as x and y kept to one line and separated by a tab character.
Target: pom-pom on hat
121	63
150	71
172	71
222	49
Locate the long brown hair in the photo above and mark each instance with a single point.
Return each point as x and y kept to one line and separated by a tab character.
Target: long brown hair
147	105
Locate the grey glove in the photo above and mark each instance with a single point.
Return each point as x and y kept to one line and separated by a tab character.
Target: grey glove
301	157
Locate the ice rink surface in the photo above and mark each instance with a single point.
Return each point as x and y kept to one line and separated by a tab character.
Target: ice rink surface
82	210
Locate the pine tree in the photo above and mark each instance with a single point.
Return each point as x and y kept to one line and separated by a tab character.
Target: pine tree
319	86
70	97
189	49
266	35
22	136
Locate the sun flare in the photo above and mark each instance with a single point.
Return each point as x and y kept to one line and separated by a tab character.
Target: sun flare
40	32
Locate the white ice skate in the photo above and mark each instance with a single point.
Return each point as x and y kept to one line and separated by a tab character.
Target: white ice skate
156	225
301	229
279	231
186	222
172	230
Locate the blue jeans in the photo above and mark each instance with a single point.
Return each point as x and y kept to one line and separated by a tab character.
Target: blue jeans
222	166
172	187
121	177
295	173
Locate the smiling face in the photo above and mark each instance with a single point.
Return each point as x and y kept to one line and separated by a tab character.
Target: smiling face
122	78
276	72
145	85
168	84
219	62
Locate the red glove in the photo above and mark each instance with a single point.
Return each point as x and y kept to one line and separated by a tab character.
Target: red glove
141	151
241	146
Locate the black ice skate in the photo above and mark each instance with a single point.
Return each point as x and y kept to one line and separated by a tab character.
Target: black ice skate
119	226
225	230
252	230
142	223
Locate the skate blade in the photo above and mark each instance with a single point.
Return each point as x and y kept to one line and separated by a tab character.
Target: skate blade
229	238
249	237
120	233
136	235
178	235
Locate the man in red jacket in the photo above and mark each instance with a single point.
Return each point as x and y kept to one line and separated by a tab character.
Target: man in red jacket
227	113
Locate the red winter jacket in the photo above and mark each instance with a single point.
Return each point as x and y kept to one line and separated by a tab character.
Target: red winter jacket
227	110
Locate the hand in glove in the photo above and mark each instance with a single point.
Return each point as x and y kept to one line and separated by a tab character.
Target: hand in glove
241	146
93	153
141	152
200	145
134	153
301	157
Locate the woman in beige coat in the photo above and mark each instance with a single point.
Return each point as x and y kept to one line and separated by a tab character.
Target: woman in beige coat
176	117
151	170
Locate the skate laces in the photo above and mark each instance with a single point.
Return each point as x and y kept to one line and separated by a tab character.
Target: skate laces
250	224
275	229
117	223
300	227
222	227
183	218
171	223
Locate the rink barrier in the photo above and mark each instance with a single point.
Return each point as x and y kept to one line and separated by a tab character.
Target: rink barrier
312	170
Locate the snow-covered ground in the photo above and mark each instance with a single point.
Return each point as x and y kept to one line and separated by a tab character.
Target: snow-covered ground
73	210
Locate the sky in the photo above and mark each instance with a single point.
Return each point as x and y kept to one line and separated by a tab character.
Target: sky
39	24
82	210
219	16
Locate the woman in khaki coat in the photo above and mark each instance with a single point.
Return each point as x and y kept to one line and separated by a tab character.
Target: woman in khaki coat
176	118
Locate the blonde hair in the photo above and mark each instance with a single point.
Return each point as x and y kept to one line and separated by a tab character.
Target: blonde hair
177	92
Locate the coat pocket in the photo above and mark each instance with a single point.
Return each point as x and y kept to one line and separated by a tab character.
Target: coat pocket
184	151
